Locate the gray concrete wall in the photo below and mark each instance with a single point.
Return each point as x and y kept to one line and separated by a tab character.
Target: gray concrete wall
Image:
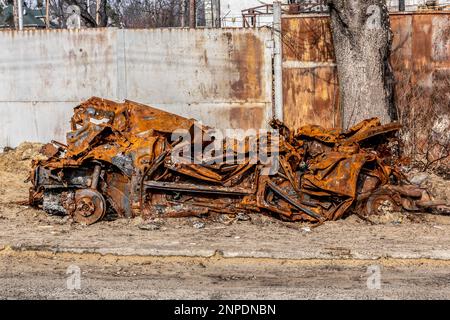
221	77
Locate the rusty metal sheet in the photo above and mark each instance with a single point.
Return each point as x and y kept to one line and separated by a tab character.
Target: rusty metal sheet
307	39
310	95
310	86
421	63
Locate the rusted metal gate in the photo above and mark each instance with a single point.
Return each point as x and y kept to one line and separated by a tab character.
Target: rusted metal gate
310	89
421	62
420	59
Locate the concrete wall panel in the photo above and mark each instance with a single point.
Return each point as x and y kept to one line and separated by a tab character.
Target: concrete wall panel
221	77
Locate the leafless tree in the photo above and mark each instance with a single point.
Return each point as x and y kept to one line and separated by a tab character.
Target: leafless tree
121	13
424	116
362	39
149	13
88	14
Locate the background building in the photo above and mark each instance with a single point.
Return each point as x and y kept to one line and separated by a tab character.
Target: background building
231	12
32	18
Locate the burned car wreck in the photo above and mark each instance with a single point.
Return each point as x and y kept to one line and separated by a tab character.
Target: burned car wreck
119	158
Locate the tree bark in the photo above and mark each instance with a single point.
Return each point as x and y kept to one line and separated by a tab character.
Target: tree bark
183	13
192	14
15	15
362	40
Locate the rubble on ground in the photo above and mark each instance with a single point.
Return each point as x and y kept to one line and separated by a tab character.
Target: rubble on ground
437	185
18	160
124	158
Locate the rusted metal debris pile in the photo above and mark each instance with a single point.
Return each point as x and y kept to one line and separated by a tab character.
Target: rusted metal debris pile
119	158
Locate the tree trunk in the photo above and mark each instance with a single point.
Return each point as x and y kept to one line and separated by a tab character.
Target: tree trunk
15	15
362	40
192	14
183	13
103	14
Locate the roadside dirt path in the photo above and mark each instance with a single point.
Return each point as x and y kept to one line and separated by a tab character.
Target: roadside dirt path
34	275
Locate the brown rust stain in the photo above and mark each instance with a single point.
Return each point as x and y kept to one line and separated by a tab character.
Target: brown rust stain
310	93
422	31
307	39
248	59
311	96
401	56
247	117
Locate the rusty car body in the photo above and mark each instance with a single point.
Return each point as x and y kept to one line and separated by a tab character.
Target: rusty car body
119	159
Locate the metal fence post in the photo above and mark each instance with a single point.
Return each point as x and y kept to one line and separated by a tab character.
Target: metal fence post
278	62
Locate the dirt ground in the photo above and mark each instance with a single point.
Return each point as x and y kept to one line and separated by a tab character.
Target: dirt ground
260	258
38	275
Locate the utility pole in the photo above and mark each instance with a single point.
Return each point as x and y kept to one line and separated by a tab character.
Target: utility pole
278	62
16	15
216	14
183	13
192	14
47	22
209	16
97	15
20	14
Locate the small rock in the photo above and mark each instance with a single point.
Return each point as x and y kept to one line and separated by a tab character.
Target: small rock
45	227
138	221
151	226
198	225
419	178
27	154
386	207
306	229
242	217
225	219
392	217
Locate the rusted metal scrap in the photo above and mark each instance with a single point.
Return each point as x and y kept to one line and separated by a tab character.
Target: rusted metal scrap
119	159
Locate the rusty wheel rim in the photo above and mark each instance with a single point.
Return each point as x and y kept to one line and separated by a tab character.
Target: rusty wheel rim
376	201
90	206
